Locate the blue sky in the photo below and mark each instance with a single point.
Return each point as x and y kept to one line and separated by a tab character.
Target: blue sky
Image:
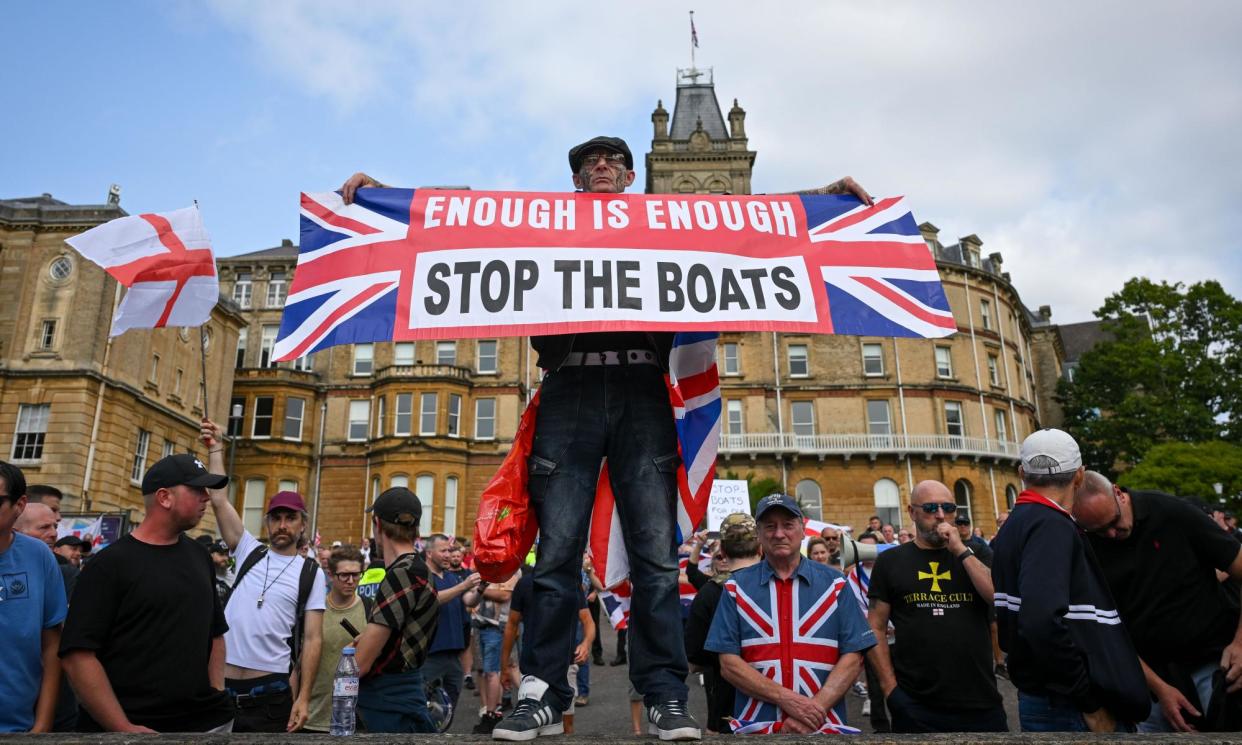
1087	143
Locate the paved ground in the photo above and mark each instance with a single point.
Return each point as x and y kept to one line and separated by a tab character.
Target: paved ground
608	712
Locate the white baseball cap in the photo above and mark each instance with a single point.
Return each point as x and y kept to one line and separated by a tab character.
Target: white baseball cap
1054	444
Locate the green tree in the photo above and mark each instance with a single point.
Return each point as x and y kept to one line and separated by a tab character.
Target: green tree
1191	470
1172	372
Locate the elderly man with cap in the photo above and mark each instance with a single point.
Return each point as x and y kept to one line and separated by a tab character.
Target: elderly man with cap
1069	654
274	610
790	636
393	647
144	641
1161	555
603	396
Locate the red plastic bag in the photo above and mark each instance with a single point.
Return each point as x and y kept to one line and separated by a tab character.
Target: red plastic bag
506	527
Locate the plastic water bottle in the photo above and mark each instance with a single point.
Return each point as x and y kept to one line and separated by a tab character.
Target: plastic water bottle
344	694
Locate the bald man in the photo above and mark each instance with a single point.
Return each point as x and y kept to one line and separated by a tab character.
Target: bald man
38	521
1160	555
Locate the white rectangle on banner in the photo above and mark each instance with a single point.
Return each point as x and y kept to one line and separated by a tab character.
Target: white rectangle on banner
513	286
727	498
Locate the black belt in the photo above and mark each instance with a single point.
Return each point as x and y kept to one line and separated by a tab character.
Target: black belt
617	357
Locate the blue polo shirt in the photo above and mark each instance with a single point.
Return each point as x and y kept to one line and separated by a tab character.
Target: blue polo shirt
792	631
32	598
451	628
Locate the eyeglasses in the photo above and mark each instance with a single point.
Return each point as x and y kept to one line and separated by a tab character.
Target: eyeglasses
610	159
932	507
348	575
1111	524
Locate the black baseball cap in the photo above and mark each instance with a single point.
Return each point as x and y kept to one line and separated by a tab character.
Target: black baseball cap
399	506
178	470
772	501
615	144
73	540
961	519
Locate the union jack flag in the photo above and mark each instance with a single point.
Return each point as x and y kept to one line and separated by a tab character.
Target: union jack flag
617	605
785	647
860	584
879	278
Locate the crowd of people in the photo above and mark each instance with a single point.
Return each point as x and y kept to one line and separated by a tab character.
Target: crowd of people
1108	609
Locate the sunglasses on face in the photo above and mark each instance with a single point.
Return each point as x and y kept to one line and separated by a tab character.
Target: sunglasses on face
932	507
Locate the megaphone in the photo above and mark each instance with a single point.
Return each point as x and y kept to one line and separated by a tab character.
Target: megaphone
853	552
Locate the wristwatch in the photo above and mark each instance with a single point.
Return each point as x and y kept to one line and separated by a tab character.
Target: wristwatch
969	552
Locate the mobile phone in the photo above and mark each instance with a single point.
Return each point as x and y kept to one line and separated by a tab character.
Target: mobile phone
345	624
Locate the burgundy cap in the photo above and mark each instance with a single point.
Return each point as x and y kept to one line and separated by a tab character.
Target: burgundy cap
286	500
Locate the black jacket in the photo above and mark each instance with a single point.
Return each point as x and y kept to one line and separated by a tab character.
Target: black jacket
1057	619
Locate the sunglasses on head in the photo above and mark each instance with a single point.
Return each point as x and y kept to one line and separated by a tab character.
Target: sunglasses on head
931	507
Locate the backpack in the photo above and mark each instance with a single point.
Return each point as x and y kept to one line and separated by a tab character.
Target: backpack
306	582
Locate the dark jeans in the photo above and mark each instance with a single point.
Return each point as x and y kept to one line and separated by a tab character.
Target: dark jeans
394	703
445	666
911	715
597	644
261	704
875	693
1054	714
587	414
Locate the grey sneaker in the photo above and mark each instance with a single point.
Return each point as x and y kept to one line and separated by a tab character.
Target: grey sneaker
533	716
671	721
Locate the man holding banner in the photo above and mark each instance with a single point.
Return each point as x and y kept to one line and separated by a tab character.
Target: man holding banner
603	396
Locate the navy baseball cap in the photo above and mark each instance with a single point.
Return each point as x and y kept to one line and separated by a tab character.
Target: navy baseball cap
784	501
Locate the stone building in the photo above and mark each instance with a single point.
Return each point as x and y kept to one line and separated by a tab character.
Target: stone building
345	423
849	424
78	410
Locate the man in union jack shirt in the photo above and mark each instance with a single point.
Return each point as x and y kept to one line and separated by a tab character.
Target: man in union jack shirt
790	635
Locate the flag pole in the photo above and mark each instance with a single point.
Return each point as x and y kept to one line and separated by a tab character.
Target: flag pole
202	356
692	68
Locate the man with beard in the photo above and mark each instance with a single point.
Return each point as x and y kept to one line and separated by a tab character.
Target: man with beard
274	611
144	641
937	594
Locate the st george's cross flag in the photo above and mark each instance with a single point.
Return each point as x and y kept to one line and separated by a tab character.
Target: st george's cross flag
165	262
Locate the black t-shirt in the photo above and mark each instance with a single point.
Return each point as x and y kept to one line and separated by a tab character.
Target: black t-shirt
150	614
943	649
721	693
1164	581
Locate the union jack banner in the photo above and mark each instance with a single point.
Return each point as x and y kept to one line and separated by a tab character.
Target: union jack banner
832	726
785	647
860	584
400	264
617	605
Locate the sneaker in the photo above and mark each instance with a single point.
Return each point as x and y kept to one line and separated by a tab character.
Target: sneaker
581	701
532	717
671	721
468	682
866	710
1002	671
860	689
487	722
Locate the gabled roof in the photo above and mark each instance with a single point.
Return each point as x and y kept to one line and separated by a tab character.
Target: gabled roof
694	103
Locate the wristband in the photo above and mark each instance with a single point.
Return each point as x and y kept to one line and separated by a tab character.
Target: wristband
963	556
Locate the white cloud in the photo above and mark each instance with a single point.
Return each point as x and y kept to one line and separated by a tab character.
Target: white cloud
1089	142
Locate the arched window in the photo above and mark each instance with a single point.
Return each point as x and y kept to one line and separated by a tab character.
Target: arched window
887	501
450	505
810	498
252	507
424	488
961	495
1011	495
399	480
